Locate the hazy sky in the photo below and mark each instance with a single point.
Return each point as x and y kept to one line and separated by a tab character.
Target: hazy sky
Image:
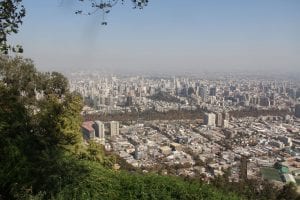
168	36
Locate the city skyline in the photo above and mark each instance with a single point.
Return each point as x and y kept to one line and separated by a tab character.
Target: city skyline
169	36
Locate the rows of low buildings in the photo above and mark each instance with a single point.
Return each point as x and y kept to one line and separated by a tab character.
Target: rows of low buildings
192	148
246	146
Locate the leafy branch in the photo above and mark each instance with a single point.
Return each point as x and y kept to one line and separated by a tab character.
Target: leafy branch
11	14
104	6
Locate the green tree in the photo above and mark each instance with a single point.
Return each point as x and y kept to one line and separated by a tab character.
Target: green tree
11	14
35	134
288	192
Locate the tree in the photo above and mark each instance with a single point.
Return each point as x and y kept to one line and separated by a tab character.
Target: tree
11	14
106	5
35	133
288	192
20	74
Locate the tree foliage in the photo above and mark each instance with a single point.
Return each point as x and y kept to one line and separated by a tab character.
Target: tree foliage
34	132
256	189
11	14
105	7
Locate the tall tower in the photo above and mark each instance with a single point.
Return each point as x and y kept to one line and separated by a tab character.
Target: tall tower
129	101
213	91
219	119
99	129
203	93
114	128
210	119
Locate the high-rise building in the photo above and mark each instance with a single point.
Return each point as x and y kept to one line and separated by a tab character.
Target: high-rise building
292	92
203	93
219	119
191	91
114	128
210	119
297	111
99	129
129	101
213	91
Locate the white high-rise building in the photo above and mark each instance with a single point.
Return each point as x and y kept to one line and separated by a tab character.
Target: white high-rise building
210	119
114	128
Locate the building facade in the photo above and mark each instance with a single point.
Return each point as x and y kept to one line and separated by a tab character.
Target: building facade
210	119
114	128
99	129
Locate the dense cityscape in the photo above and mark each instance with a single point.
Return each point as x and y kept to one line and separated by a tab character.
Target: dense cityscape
249	127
